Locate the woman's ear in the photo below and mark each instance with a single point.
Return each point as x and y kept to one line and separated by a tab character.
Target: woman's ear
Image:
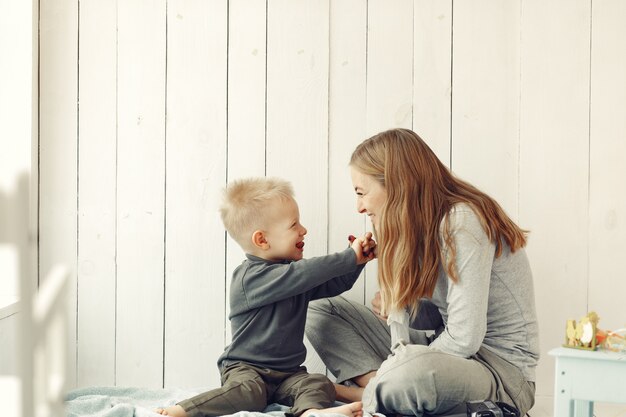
259	240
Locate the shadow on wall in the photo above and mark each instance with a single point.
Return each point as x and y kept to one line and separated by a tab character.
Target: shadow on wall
14	215
39	336
15	250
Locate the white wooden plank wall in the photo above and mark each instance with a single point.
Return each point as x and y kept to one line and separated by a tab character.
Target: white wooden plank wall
141	91
525	99
432	74
18	104
553	167
58	142
297	86
347	103
485	104
196	161
389	70
607	172
247	65
97	190
607	148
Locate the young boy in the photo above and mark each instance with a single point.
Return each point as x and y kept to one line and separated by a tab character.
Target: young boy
269	296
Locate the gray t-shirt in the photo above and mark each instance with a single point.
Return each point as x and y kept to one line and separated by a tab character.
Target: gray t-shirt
493	304
269	301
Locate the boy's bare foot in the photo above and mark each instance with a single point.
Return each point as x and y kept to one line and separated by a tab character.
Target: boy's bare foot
354	409
348	394
174	411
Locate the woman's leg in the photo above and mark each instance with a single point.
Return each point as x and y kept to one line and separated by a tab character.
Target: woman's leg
353	343
349	338
416	379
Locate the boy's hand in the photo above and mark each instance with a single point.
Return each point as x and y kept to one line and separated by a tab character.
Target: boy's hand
364	248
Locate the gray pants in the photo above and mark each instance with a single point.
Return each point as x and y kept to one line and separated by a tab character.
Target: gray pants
249	388
411	379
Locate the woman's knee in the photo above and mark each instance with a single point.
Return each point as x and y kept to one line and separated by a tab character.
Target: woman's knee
399	392
407	382
320	306
329	306
320	313
317	315
416	371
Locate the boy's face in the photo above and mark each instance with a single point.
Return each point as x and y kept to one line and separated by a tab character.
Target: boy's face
285	234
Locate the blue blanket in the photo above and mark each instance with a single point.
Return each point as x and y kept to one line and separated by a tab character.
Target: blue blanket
140	402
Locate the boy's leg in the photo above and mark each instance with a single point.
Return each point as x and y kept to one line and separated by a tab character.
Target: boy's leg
303	391
242	390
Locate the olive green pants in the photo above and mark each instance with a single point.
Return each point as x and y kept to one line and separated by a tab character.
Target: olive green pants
249	388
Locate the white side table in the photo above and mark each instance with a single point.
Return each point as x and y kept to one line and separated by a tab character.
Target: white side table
583	377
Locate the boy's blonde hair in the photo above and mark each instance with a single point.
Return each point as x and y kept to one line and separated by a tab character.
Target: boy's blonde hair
245	204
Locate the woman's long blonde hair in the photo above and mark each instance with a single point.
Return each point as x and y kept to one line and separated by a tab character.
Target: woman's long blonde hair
420	192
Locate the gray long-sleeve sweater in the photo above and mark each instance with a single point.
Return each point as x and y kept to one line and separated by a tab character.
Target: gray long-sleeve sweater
269	301
493	304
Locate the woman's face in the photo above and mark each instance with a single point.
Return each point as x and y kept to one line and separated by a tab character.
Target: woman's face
371	196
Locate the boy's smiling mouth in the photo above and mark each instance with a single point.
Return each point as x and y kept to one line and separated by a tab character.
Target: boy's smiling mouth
300	245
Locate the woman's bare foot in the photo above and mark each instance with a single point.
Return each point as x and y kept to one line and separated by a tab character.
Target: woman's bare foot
174	411
354	409
348	394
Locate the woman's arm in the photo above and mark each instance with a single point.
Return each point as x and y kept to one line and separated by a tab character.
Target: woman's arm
467	300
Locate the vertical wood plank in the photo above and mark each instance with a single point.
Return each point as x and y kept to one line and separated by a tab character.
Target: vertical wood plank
607	209
389	80
432	66
96	192
246	107
140	192
389	65
554	134
485	104
17	111
246	92
33	220
297	108
297	113
347	123
18	115
196	172
58	145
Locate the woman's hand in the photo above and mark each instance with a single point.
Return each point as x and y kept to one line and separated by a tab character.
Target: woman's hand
376	305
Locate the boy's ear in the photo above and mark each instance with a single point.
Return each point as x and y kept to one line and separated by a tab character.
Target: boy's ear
259	241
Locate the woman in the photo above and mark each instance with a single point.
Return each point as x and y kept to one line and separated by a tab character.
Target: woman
441	243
